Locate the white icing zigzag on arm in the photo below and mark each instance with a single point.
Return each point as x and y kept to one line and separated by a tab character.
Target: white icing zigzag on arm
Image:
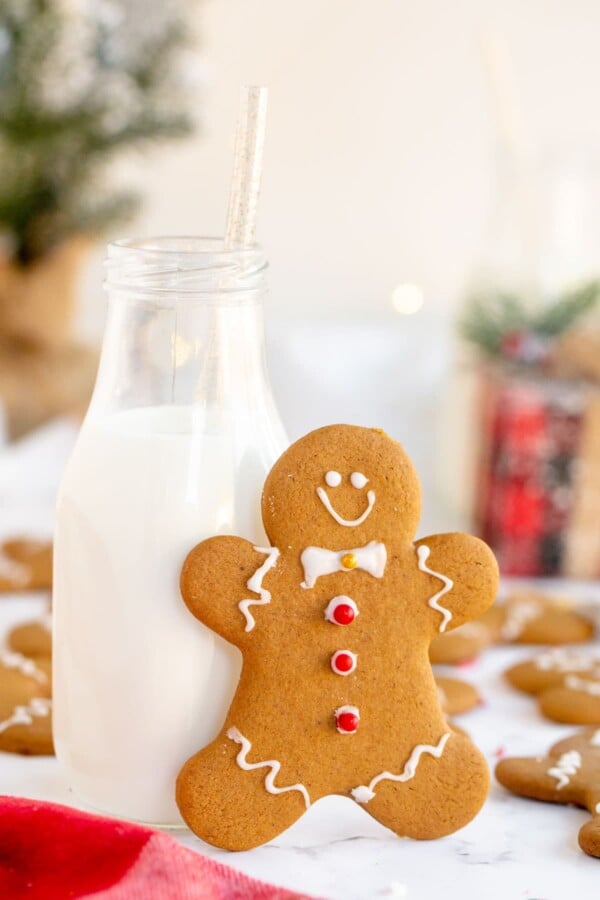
567	765
235	735
255	584
423	555
364	793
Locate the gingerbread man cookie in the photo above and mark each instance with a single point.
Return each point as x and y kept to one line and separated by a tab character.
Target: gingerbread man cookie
569	774
334	621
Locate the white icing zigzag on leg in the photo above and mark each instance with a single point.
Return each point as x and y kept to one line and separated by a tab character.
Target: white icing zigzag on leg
364	793
235	735
423	555
255	584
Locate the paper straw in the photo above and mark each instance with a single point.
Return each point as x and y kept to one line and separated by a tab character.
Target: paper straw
510	119
247	167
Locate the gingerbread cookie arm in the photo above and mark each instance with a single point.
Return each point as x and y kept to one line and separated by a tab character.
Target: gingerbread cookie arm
462	578
223	585
549	778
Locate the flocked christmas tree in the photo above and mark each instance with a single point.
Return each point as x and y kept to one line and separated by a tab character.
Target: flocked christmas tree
80	81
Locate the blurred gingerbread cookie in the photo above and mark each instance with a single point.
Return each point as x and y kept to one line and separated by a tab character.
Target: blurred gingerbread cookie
549	669
574	702
570	774
529	617
566	683
461	645
25	565
28	728
33	638
25	722
456	696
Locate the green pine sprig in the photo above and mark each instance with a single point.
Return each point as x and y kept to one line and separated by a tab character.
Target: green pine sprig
76	90
489	318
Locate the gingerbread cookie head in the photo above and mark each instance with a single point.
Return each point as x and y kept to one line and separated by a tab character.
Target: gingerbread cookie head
341	485
334	622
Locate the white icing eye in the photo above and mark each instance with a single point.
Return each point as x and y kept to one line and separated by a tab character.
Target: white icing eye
358	480
333	479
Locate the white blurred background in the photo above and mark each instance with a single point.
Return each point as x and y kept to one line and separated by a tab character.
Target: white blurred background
382	135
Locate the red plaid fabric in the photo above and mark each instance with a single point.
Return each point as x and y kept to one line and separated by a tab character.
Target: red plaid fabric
51	852
530	438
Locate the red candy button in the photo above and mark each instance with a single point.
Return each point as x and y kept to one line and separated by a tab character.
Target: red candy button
347	719
341	611
343	662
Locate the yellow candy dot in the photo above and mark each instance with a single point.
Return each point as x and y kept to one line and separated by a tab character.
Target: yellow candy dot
349	561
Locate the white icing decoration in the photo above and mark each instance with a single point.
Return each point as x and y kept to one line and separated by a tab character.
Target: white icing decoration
26	666
595	739
364	793
235	735
317	561
335	602
563	660
517	617
255	584
23	715
346	709
423	555
333	479
567	765
13	571
353	657
350	523
358	480
575	683
598	809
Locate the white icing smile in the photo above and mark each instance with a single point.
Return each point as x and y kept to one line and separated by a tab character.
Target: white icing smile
358	481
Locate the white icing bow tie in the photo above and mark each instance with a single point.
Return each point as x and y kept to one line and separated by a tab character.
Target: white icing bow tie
317	561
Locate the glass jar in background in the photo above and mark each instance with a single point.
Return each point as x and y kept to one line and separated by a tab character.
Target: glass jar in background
180	434
520	457
538	472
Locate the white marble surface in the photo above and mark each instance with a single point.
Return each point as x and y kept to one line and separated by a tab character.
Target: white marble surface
514	849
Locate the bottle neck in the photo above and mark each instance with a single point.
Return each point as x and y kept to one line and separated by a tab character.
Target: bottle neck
184	328
207	354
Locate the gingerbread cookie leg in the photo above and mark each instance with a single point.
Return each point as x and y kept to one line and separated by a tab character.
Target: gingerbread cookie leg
589	834
257	805
421	799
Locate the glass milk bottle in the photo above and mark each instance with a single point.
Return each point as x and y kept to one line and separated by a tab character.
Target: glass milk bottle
179	436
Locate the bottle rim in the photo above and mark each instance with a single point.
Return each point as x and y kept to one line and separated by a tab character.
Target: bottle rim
183	265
